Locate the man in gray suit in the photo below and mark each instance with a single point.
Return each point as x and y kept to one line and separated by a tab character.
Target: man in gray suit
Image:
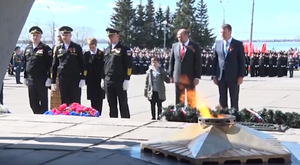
228	67
185	68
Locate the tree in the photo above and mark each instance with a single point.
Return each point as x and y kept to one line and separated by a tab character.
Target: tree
159	19
138	28
205	36
123	19
169	20
150	27
184	16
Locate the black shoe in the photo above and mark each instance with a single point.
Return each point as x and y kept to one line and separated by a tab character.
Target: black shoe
153	118
19	83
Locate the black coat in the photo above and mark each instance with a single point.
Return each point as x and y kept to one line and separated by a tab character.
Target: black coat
94	68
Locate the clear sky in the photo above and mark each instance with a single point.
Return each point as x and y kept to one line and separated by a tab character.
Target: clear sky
273	19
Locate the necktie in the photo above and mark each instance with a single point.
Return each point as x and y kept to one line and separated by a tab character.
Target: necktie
182	51
226	48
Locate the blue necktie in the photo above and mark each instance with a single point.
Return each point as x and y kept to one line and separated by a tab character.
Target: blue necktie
226	48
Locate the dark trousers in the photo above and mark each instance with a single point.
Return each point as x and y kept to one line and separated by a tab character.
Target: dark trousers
97	104
291	72
1	94
183	90
38	97
18	72
233	88
116	93
155	101
69	91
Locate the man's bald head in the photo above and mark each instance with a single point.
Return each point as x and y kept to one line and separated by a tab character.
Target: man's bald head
182	35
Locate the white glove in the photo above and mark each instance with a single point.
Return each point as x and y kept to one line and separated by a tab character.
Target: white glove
53	87
81	83
125	85
25	82
48	82
102	84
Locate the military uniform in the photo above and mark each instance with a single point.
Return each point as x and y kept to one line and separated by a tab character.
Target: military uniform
291	64
273	66
37	70
68	65
209	64
254	65
94	68
117	69
282	66
18	66
247	64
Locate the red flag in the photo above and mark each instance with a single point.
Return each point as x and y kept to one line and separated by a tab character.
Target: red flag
264	48
250	48
246	47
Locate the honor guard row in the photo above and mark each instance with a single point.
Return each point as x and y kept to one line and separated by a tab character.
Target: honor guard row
67	69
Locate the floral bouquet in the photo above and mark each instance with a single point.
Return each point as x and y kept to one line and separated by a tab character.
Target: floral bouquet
74	109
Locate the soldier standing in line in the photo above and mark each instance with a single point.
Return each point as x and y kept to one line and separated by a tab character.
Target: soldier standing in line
37	71
291	64
68	65
117	70
273	65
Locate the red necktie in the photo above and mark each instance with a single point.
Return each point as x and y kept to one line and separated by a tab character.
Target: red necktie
182	51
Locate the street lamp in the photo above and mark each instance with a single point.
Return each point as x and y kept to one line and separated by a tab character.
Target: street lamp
165	33
221	2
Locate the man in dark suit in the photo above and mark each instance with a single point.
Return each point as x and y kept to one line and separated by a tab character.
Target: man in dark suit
228	67
185	67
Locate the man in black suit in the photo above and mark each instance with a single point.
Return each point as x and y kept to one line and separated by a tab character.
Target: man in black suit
185	67
228	67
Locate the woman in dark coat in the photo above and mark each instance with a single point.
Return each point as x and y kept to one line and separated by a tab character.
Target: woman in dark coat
94	70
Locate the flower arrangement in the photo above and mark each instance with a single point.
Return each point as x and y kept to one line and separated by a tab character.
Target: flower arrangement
181	113
74	109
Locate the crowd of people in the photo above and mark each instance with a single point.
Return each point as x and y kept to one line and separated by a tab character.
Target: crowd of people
67	68
271	63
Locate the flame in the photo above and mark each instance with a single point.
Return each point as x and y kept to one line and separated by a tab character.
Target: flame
196	101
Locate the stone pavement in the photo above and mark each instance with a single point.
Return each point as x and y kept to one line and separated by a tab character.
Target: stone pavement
38	139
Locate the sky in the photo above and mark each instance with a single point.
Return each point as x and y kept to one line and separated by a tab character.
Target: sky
273	19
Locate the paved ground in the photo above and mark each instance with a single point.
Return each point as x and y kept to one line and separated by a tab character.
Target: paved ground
38	139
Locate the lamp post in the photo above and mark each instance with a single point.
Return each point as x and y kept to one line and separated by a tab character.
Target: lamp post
53	27
221	2
251	28
165	33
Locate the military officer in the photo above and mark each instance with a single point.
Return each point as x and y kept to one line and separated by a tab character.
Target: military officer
37	71
273	65
291	65
117	69
94	68
68	65
18	63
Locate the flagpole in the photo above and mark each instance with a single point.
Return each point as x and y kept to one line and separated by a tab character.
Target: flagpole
251	31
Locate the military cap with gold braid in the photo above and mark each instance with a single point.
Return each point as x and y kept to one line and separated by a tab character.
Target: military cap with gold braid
111	31
35	29
65	29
